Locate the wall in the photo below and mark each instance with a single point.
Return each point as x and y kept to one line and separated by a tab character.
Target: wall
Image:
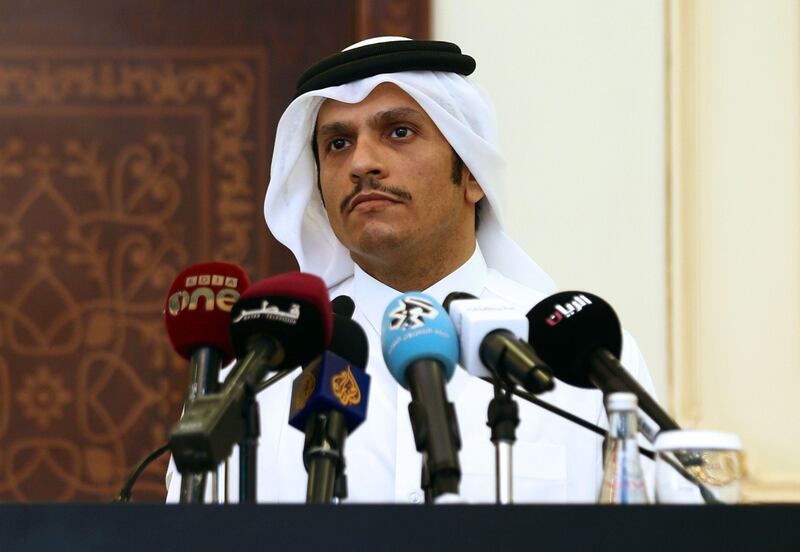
579	90
653	152
135	139
735	230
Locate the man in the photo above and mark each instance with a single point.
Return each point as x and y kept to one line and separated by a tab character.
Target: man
385	179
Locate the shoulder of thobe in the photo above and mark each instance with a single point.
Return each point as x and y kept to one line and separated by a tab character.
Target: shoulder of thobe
510	291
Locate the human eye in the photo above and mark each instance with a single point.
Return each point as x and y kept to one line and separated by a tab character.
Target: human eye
401	132
339	143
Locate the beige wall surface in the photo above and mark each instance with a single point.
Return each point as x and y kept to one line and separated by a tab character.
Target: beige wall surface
579	91
735	229
653	154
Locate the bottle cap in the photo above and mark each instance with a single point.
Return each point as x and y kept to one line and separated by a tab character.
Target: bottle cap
619	401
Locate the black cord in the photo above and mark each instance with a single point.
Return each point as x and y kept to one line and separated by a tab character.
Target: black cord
126	490
571	417
707	495
125	493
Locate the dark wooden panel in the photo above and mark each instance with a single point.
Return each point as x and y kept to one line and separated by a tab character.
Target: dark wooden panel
392	17
135	139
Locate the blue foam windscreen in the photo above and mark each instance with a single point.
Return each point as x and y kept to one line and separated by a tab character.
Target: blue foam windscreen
415	327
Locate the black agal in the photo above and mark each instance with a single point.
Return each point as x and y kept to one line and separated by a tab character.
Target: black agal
385	57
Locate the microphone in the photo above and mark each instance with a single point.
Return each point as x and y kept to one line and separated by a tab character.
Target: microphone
580	337
197	314
197	309
420	348
277	324
329	401
343	306
492	344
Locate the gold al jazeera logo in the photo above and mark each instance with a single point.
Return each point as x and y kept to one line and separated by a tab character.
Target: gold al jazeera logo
306	387
345	387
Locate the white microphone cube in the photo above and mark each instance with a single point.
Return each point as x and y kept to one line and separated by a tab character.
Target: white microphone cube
474	319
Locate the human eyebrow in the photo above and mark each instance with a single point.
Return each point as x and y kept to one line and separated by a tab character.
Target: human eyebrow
398	114
336	128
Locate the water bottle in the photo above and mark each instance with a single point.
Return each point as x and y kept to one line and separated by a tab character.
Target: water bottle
623	478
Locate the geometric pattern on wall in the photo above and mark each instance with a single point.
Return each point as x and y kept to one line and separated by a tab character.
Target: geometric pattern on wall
117	170
120	166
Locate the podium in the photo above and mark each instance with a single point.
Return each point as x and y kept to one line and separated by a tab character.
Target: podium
396	527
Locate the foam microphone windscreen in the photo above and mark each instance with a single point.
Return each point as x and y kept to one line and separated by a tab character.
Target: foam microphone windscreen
198	305
349	341
293	308
416	327
343	306
566	328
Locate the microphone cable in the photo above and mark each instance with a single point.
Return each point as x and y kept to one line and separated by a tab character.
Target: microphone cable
568	416
125	492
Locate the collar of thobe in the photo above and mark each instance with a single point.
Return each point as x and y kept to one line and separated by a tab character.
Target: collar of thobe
372	297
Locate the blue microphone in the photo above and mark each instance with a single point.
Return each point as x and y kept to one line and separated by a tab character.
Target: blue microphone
420	347
329	401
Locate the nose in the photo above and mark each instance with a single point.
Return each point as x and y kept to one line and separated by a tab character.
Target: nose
366	160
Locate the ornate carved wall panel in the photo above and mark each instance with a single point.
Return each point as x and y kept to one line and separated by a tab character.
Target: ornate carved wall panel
134	140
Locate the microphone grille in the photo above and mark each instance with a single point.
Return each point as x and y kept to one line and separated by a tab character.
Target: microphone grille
343	306
198	306
567	327
349	341
293	308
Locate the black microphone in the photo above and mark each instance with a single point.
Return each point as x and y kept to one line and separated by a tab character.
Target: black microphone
343	306
491	337
277	324
580	337
329	401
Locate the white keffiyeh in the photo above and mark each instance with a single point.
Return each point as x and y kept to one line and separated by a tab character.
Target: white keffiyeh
293	207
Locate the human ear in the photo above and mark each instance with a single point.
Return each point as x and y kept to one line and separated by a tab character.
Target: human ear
473	192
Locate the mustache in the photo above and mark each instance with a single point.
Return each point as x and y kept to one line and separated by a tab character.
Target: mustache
374	184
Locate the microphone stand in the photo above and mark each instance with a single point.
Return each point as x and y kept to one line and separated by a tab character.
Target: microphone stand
124	494
425	483
435	429
248	449
258	357
503	418
205	370
322	454
340	486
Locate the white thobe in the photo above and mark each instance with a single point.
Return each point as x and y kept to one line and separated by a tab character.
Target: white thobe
554	459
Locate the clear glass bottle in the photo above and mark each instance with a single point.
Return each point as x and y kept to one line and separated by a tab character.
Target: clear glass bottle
623	478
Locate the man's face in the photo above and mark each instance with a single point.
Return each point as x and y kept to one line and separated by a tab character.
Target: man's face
386	176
